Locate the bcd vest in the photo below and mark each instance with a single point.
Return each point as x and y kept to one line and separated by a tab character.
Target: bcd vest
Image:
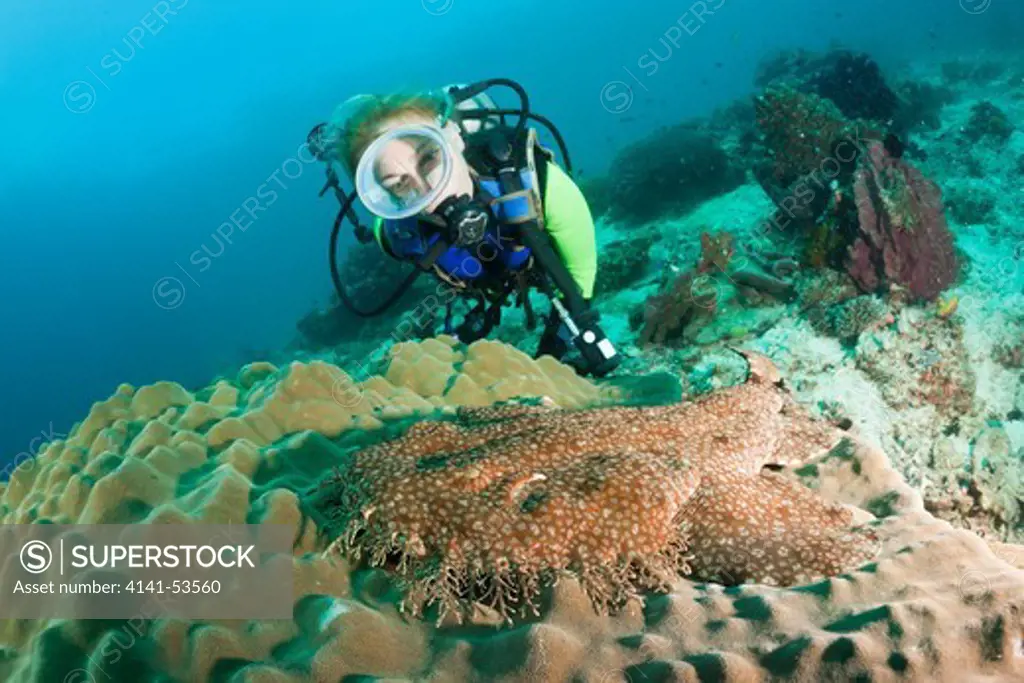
499	254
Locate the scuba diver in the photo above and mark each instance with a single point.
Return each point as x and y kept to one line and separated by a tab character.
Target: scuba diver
457	190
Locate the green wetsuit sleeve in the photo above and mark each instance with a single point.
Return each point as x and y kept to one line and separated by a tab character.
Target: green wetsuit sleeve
377	230
569	222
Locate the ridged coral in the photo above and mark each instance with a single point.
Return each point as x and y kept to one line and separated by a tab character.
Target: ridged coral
937	605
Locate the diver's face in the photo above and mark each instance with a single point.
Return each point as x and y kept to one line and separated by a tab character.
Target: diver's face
409	167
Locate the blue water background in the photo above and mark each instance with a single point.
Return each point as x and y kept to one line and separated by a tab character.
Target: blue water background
121	159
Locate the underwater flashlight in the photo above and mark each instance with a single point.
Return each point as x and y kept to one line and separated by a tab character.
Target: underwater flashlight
593	344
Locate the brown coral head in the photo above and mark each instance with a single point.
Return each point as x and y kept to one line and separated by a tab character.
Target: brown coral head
717	249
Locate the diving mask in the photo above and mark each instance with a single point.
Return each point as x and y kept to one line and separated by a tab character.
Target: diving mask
404	171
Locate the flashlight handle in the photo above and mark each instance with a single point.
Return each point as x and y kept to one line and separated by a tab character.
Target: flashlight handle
581	321
594	346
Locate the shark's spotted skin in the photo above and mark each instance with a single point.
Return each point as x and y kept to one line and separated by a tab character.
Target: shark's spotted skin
625	499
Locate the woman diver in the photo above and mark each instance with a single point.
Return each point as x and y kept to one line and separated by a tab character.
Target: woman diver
458	191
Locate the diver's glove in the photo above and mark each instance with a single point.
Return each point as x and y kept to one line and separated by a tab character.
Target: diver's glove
477	324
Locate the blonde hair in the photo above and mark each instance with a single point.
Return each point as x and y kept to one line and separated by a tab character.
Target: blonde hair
351	136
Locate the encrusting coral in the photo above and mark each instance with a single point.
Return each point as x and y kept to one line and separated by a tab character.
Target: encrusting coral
622	498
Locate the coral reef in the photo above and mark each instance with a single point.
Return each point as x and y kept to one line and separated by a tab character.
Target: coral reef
808	154
755	276
988	122
923	362
903	238
970	205
869	212
485	508
846	321
854	82
665	315
799	132
937	604
688	296
922	105
623	262
669	173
